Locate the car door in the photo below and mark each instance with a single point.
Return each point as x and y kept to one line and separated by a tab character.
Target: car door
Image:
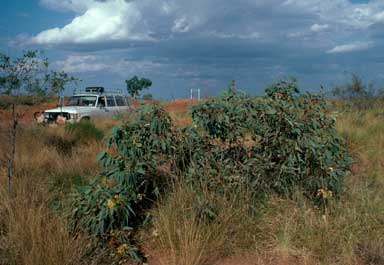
111	105
121	104
101	107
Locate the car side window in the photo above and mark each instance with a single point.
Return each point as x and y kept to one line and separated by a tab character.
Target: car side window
111	101
101	102
120	101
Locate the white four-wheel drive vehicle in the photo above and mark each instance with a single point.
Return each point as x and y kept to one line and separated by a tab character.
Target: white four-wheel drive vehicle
85	105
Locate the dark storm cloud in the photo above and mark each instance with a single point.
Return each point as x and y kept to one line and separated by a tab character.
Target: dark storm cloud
202	43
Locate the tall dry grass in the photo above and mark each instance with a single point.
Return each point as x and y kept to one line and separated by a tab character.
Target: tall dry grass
182	235
288	230
33	227
280	231
31	233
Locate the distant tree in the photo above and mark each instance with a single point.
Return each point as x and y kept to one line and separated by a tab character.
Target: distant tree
135	85
353	89
58	81
147	96
357	94
232	86
17	74
30	74
27	74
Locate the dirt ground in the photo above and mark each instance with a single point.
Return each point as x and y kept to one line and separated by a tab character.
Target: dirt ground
27	112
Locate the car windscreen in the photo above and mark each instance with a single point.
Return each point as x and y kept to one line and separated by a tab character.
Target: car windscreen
82	101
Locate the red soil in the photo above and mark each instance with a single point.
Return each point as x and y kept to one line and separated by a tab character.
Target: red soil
27	112
179	105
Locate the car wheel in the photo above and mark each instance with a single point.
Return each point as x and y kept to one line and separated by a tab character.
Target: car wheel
37	114
85	119
39	117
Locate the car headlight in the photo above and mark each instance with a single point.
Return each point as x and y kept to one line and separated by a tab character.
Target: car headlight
74	116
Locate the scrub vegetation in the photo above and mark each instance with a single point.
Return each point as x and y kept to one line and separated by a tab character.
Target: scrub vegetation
287	178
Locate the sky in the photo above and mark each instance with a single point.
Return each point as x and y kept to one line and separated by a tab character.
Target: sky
184	44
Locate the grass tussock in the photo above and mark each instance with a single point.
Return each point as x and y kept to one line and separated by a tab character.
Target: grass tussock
184	236
31	233
33	227
51	152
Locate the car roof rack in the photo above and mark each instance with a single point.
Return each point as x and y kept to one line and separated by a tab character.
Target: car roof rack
98	90
94	89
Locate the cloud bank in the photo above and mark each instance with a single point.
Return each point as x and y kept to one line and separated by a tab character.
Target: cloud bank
213	41
130	21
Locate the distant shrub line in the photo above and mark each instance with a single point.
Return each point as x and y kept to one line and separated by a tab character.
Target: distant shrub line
6	101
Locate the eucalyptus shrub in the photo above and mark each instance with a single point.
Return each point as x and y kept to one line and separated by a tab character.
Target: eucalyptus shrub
300	141
236	145
105	211
135	167
226	117
289	136
139	151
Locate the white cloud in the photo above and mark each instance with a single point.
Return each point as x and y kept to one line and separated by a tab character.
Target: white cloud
351	47
123	21
81	64
114	20
79	6
76	63
233	35
105	21
319	27
214	39
345	12
297	34
181	25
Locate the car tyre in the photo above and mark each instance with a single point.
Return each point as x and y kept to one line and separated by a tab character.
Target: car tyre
85	119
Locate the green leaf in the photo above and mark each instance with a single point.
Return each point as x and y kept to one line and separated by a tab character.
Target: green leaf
101	155
271	111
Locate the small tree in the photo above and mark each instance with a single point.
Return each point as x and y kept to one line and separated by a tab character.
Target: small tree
58	81
354	88
357	94
26	74
147	96
135	85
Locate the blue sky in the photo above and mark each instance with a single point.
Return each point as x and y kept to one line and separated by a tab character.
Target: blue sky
183	44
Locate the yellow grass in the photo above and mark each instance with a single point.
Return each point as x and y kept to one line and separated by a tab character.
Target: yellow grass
284	231
32	233
294	231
